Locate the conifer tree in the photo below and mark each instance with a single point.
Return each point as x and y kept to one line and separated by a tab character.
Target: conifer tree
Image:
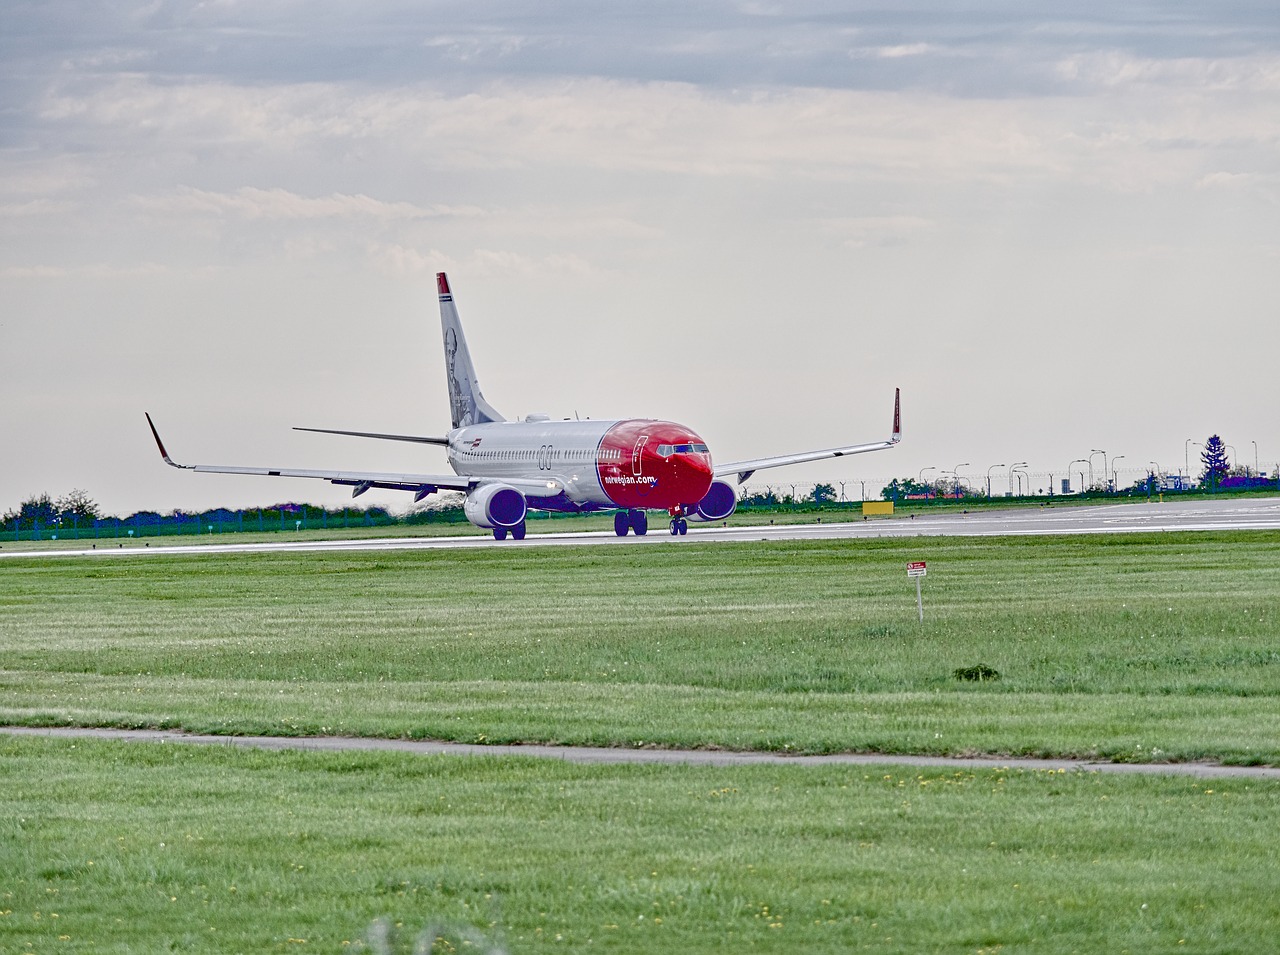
1214	459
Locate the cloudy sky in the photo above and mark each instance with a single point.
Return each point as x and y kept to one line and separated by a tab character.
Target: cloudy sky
1055	226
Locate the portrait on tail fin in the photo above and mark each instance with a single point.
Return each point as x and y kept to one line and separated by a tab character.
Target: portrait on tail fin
466	403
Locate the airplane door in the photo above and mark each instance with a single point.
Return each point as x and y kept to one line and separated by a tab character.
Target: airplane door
636	464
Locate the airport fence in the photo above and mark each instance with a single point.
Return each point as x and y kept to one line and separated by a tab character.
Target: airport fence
1123	483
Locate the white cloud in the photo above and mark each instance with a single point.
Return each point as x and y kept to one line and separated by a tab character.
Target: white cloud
252	203
1258	73
661	128
34	207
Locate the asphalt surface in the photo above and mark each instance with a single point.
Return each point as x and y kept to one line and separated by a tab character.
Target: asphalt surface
1153	517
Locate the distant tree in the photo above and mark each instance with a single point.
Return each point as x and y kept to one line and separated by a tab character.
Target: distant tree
43	511
37	509
1215	461
77	504
823	494
900	488
760	499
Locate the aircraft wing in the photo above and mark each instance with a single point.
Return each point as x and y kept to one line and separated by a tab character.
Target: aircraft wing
361	481
744	469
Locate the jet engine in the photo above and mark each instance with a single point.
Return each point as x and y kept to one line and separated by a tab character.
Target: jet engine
718	503
495	505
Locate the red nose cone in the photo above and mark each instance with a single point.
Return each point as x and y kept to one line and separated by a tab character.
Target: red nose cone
654	464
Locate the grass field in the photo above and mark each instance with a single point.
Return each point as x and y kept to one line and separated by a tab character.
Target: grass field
115	847
1145	647
1136	648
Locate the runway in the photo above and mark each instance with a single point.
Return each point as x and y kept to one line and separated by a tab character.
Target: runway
1048	518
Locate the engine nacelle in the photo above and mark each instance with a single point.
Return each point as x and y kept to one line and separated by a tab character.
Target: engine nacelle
495	505
719	502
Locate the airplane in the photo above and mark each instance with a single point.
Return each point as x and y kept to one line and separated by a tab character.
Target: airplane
505	468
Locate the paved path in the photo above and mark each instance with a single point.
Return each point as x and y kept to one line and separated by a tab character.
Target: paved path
599	755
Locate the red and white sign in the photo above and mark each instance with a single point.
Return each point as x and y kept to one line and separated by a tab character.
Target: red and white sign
915	568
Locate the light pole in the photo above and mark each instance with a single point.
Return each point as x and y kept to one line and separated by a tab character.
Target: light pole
920	476
1115	472
1234	457
989	479
1077	461
1013	467
1021	473
956	472
1186	457
1094	451
1256	470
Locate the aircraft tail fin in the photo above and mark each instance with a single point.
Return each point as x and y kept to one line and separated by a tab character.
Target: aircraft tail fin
466	404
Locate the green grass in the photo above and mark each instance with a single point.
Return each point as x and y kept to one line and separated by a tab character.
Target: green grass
1139	647
1136	647
122	848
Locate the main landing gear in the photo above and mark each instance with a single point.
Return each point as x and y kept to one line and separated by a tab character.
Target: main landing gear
517	532
637	521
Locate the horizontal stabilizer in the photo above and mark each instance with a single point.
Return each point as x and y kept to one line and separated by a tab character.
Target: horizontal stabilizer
415	439
361	481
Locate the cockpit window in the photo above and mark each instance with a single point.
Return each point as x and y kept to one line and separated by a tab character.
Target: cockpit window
666	450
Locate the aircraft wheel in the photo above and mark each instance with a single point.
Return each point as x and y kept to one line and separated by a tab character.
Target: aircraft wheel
499	533
675	527
640	523
621	524
517	532
684	526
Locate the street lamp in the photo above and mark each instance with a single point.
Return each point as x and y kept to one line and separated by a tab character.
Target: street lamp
1077	461
1013	467
1094	451
1186	458
920	476
989	478
1256	470
956	472
1115	472
1020	473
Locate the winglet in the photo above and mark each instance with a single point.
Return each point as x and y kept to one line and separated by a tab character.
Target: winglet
897	416
442	283
160	444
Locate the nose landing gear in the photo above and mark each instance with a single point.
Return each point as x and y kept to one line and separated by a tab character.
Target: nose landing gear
678	524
